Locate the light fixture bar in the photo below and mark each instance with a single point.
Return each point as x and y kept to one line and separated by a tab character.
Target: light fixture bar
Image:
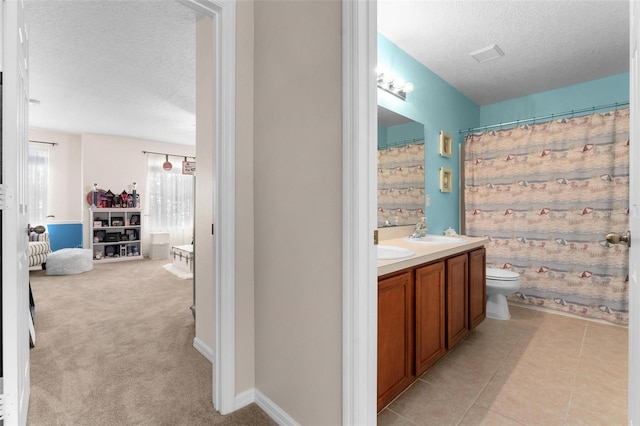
397	87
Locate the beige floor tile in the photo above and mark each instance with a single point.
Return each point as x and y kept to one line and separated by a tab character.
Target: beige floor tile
521	314
605	371
426	404
606	342
389	418
478	416
527	398
537	368
597	403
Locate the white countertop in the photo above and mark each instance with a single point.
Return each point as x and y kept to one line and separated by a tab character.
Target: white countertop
425	252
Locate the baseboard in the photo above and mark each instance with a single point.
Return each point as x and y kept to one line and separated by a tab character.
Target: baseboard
276	413
245	398
203	349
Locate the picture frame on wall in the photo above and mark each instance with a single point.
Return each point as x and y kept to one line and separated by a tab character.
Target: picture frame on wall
446	179
446	144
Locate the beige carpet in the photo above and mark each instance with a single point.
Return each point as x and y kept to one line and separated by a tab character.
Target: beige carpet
114	346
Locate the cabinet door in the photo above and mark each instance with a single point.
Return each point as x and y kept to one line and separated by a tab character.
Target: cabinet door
457	302
477	287
395	336
430	318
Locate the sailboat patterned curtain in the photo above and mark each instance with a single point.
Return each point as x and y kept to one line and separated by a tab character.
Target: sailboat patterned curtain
546	195
401	185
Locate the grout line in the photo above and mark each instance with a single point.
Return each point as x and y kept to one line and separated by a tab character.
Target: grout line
575	376
401	416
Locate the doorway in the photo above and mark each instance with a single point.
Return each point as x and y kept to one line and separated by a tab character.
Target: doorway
222	283
359	306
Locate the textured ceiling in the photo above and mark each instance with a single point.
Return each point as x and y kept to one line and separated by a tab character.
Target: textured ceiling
113	67
547	44
128	68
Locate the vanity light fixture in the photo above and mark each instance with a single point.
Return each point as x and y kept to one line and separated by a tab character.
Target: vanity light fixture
394	85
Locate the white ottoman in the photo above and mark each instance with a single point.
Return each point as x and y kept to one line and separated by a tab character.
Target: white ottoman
69	261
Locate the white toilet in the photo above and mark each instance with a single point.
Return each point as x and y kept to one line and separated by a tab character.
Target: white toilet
500	283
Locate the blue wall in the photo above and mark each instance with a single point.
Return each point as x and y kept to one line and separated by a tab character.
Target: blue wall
598	92
401	134
64	235
438	106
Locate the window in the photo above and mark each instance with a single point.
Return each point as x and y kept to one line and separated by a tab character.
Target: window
38	180
171	198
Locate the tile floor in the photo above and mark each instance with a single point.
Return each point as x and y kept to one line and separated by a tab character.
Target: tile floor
538	368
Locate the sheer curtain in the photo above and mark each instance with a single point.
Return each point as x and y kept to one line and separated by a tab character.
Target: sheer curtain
170	201
38	181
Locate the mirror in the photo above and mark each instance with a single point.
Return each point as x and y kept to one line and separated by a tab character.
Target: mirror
400	169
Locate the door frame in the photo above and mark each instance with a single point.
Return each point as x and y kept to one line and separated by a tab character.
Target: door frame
634	215
359	200
359	183
16	387
223	14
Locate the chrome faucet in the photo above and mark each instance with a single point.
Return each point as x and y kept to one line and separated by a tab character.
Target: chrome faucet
420	230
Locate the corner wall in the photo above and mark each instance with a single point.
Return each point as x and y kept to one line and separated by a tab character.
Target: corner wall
245	319
592	93
298	207
438	106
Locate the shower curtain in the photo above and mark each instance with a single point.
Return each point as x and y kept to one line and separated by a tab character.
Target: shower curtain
546	195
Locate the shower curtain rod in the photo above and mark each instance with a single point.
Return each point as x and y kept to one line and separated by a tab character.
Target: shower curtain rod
170	155
45	143
404	142
545	117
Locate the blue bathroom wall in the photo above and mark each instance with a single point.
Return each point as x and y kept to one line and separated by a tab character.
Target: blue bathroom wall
401	134
603	91
438	106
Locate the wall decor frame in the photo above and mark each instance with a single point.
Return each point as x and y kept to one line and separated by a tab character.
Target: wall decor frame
446	179
446	144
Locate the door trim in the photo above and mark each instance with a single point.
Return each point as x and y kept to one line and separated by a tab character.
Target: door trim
359	270
223	13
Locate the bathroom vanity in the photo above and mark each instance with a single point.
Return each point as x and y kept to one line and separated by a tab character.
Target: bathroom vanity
427	303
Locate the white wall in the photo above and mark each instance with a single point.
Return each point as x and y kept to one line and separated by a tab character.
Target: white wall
113	162
298	207
64	199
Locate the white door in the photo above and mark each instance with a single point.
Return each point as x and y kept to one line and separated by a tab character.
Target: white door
15	271
634	220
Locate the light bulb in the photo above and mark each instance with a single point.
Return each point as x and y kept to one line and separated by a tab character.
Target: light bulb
408	88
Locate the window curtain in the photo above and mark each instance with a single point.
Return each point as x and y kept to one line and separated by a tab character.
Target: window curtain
170	201
38	169
546	195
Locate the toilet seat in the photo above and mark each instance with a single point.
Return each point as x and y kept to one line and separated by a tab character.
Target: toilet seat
496	274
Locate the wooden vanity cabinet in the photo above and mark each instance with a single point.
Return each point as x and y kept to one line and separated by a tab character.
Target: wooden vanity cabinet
423	311
477	287
457	299
395	336
430	315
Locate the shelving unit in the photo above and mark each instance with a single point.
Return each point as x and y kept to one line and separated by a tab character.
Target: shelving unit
116	233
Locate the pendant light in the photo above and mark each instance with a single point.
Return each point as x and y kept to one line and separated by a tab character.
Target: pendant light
167	165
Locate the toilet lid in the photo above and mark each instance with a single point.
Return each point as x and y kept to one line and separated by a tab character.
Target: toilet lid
502	274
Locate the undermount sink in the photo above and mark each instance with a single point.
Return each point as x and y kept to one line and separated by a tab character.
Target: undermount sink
437	239
390	252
